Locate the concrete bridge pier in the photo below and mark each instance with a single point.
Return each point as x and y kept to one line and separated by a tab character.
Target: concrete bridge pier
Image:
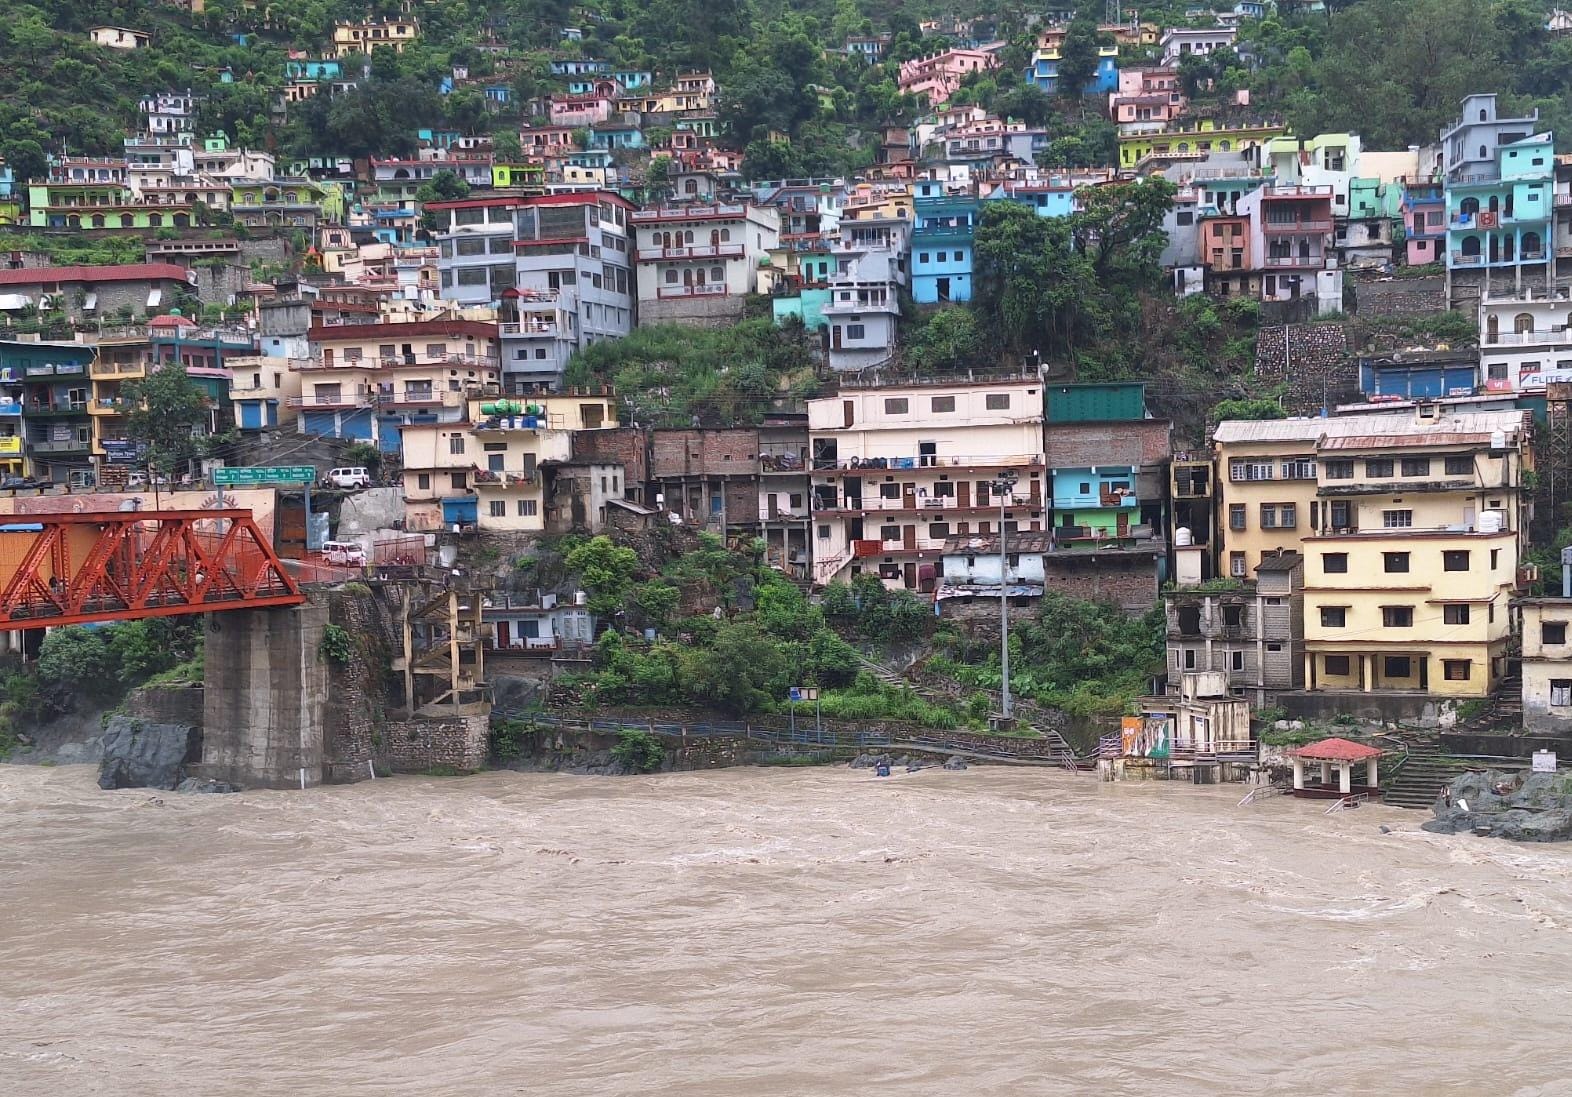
265	699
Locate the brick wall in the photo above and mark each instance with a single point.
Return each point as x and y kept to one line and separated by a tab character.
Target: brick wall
1082	445
697	312
1400	297
625	446
733	452
419	744
1131	583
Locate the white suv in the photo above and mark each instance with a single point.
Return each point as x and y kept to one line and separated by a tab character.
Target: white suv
349	478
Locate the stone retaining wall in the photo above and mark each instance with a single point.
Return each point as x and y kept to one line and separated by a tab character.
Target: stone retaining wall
460	742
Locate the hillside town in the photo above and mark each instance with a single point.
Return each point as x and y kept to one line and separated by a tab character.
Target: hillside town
1362	521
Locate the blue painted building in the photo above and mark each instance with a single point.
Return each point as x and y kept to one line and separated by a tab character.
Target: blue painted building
349	424
1044	71
942	243
1419	374
314	70
50	381
615	135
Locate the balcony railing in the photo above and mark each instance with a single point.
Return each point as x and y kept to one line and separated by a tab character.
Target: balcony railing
1315	224
1529	338
72	445
1294	262
528	330
1461	260
57	407
693	251
712	289
332	400
930	461
920	504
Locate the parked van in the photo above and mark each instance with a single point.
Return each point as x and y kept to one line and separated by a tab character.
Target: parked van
348	478
349	554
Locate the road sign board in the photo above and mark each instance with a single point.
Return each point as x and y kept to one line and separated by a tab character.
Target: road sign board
265	474
803	693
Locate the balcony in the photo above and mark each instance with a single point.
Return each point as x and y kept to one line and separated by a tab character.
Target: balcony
1294	262
332	400
56	369
128	371
489	480
1301	225
931	461
688	213
713	289
1461	260
924	504
58	407
1563	201
539	329
420	398
1558	337
110	405
72	445
692	251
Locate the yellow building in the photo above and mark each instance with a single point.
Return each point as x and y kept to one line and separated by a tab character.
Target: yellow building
352	38
122	361
489	470
1411	524
1195	139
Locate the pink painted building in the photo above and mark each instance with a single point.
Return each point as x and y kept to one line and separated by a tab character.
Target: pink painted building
937	76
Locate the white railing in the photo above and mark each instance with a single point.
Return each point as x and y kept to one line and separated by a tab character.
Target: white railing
713	289
1529	338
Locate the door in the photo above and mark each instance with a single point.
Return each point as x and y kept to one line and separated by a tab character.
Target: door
944	289
963	494
502	635
854	491
909	496
927	454
846	412
1124	524
835	337
775	506
909	538
909	576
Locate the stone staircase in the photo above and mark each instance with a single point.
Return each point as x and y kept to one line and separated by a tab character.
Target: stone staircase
1419	781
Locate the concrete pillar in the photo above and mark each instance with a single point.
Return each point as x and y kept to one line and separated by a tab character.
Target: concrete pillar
1310	670
1345	777
1372	772
265	697
1326	773
1299	773
1366	665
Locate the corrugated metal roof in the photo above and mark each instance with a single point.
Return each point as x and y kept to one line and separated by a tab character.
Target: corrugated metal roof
1384	426
1386	441
981	545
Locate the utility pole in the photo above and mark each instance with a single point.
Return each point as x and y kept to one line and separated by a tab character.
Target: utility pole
1003	487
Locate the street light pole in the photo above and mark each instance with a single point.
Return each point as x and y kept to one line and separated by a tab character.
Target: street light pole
1004	486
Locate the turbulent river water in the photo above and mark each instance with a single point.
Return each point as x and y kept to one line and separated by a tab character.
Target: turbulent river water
766	933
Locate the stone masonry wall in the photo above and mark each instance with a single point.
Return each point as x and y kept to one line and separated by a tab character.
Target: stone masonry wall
699	312
1132	586
420	744
1400	296
1312	360
357	700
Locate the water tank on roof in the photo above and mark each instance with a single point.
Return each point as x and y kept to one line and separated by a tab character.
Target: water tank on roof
1492	521
1498	439
1183	538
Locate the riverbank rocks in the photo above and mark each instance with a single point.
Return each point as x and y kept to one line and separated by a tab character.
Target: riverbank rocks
956	762
871	761
145	754
202	785
1522	807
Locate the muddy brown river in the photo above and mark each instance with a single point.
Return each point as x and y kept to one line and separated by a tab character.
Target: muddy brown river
768	933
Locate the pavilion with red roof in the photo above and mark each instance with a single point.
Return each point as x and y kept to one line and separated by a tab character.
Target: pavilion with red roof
1342	755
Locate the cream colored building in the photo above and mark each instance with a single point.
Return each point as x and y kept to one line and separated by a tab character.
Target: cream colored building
264	392
352	38
1547	665
899	469
1411	558
496	457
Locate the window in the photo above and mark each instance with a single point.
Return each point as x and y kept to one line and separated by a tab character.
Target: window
1338	470
1378	469
1236	565
1397	519
1250	470
889	533
1553	633
1454	560
1454	615
1394	563
1238	660
494	461
456	443
1416	466
937	530
472	276
895	405
1236	516
1268	515
1287	516
943	404
997	401
1459	465
1336	665
472	245
1397	666
1495	558
1397	616
1334	616
1299	469
459	480
1189	658
855	331
527	508
889	491
423	481
1561	692
824	533
1334	563
499	508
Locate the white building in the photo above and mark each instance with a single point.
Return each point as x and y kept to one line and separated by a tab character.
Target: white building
168	112
900	469
863	309
697	263
1523	340
1178	43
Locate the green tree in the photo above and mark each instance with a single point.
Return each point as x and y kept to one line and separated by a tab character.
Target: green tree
606	570
951	339
167	409
742	672
75	667
444	186
506	147
1078	56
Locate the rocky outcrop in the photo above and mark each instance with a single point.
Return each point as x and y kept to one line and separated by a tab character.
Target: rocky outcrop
1524	807
141	753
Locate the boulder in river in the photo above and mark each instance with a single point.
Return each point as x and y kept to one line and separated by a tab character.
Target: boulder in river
955	762
1524	807
143	754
